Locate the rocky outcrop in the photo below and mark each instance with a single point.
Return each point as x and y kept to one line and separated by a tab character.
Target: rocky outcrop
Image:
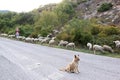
88	10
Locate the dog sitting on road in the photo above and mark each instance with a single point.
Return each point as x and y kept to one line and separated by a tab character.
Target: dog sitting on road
73	66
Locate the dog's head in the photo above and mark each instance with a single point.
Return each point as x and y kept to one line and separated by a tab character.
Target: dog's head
76	58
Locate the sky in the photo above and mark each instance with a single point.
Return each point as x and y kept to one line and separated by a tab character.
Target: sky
24	5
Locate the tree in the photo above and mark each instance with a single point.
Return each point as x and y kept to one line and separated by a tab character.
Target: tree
47	21
24	18
64	11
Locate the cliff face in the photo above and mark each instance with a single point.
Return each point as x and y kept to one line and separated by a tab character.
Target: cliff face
88	10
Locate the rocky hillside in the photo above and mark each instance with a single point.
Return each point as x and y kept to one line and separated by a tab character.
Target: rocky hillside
89	9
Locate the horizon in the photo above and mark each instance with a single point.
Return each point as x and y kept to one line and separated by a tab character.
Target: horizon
24	5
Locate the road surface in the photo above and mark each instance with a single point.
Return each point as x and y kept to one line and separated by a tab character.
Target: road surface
26	61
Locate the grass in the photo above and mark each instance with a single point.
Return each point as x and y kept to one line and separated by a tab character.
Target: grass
111	55
114	55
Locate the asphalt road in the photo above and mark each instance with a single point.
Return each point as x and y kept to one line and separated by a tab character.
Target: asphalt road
25	61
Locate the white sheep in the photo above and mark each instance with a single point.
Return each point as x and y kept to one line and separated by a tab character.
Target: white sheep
45	40
4	35
98	48
36	40
53	38
21	37
28	39
11	36
72	45
40	38
63	43
52	42
108	48
55	32
117	42
89	45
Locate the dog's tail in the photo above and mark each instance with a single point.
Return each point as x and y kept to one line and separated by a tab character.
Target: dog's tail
63	69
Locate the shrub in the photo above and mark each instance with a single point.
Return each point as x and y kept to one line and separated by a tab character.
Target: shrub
111	31
82	37
34	35
104	7
12	31
78	31
102	34
46	30
106	40
96	30
63	36
25	30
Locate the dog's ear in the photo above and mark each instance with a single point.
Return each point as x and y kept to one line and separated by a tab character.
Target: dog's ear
75	56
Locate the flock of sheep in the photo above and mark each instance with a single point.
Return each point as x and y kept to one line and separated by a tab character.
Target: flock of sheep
104	47
51	41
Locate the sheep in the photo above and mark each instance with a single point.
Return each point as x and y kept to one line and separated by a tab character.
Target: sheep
117	42
118	45
52	42
50	35
108	48
89	45
36	40
45	40
4	35
63	43
71	45
98	48
28	39
11	36
40	38
21	38
54	38
55	32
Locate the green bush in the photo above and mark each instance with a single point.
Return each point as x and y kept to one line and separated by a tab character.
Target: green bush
34	35
111	31
63	36
105	34
12	31
82	37
104	7
108	40
26	30
46	30
96	30
78	31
